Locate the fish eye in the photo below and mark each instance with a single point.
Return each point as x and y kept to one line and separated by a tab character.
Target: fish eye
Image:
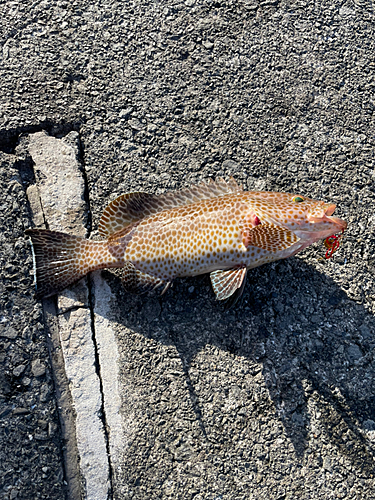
298	199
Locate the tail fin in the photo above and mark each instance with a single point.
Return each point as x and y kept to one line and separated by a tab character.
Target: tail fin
60	260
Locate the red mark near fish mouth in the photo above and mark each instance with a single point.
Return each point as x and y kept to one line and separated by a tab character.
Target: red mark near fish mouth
332	243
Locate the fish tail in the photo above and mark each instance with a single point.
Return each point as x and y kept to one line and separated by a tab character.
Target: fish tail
61	259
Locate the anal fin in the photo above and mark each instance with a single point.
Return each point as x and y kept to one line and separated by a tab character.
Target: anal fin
135	281
226	282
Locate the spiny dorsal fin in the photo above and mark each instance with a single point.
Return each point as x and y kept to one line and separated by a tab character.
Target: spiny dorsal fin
132	207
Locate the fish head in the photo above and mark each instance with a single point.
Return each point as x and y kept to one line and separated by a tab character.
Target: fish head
311	220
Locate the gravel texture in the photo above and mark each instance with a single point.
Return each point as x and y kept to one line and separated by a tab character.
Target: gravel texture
30	446
275	398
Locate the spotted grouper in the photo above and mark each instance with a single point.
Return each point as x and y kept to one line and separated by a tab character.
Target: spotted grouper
214	227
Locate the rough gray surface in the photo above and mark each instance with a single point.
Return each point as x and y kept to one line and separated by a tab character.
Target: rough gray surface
30	446
274	399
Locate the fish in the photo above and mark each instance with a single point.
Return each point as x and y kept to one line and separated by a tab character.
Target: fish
214	227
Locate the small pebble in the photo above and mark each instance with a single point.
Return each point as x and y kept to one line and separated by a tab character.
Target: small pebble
18	370
38	368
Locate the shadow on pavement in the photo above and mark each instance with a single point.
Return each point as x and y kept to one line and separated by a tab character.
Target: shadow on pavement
297	330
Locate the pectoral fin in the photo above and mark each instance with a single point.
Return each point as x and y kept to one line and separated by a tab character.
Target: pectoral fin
268	237
134	281
225	283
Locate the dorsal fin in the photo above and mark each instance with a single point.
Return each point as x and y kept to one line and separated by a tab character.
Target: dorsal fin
123	211
132	207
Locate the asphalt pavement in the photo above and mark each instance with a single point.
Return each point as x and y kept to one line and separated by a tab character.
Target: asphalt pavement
109	395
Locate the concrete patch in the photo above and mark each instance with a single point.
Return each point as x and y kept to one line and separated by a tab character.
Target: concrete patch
108	360
60	196
60	183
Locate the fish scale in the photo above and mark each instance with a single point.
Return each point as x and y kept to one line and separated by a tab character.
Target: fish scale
193	239
214	227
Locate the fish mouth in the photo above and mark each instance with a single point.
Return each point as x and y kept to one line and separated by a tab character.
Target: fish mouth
327	217
328	214
341	223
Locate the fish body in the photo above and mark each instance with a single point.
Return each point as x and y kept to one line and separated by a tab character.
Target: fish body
214	228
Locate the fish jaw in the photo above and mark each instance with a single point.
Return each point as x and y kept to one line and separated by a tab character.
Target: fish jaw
319	229
329	210
341	223
319	224
322	222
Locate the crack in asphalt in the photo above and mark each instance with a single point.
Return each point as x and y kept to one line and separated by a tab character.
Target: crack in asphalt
88	224
102	414
72	473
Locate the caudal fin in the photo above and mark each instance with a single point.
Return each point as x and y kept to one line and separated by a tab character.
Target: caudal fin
61	259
